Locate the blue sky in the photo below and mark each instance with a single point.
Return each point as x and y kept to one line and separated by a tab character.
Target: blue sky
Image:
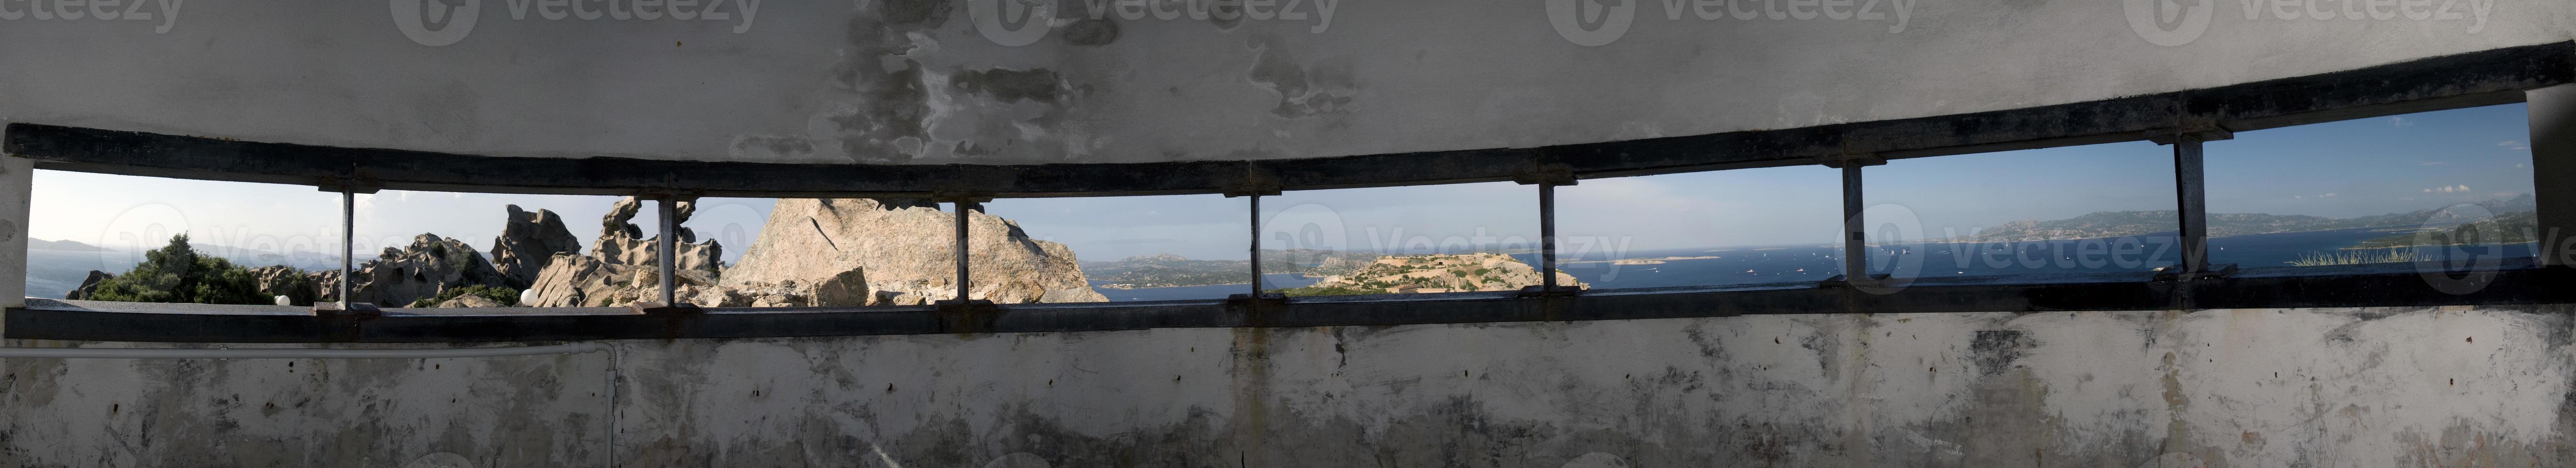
2338	169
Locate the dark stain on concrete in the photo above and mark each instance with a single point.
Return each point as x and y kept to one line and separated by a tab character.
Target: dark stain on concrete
1091	32
928	14
1995	350
884	123
1304	90
778	147
1007	85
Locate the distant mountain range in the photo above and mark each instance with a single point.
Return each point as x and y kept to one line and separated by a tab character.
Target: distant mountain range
64	246
2129	223
2507	228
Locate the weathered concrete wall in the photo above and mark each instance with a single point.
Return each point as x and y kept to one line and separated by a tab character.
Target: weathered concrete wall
2245	388
916	81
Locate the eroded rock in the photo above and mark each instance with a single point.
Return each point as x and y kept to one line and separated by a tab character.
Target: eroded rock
528	242
906	250
399	276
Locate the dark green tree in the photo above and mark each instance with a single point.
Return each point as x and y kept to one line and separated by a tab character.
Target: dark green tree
178	273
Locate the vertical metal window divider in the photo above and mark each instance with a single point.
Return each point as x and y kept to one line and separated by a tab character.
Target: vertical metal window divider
666	208
2191	200
1252	188
348	236
1547	177
1547	237
1855	228
965	205
1252	204
348	190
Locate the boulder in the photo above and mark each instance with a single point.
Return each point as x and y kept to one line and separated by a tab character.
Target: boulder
581	281
905	249
397	277
527	242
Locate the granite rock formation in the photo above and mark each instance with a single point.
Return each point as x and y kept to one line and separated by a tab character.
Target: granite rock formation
527	242
622	242
905	249
823	252
89	285
398	277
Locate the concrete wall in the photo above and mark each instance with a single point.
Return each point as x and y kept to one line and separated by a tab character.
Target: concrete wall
2247	388
916	81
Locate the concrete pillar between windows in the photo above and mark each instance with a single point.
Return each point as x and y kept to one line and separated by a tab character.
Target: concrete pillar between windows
2553	171
17	177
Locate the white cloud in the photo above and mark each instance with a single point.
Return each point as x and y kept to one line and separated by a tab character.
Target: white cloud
2448	189
2515	145
2394	121
2327	195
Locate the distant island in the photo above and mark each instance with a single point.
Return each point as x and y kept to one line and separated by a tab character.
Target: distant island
2130	223
1436	273
1168	270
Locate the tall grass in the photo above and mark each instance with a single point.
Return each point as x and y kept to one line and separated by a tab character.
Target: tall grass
2354	257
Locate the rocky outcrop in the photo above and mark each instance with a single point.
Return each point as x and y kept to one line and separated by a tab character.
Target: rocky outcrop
89	285
582	281
622	242
469	300
1436	274
292	283
904	252
818	252
528	241
398	277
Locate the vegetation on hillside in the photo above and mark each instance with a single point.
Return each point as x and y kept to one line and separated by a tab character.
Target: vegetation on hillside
1429	273
178	273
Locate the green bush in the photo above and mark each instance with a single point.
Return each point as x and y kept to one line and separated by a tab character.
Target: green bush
177	273
505	296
